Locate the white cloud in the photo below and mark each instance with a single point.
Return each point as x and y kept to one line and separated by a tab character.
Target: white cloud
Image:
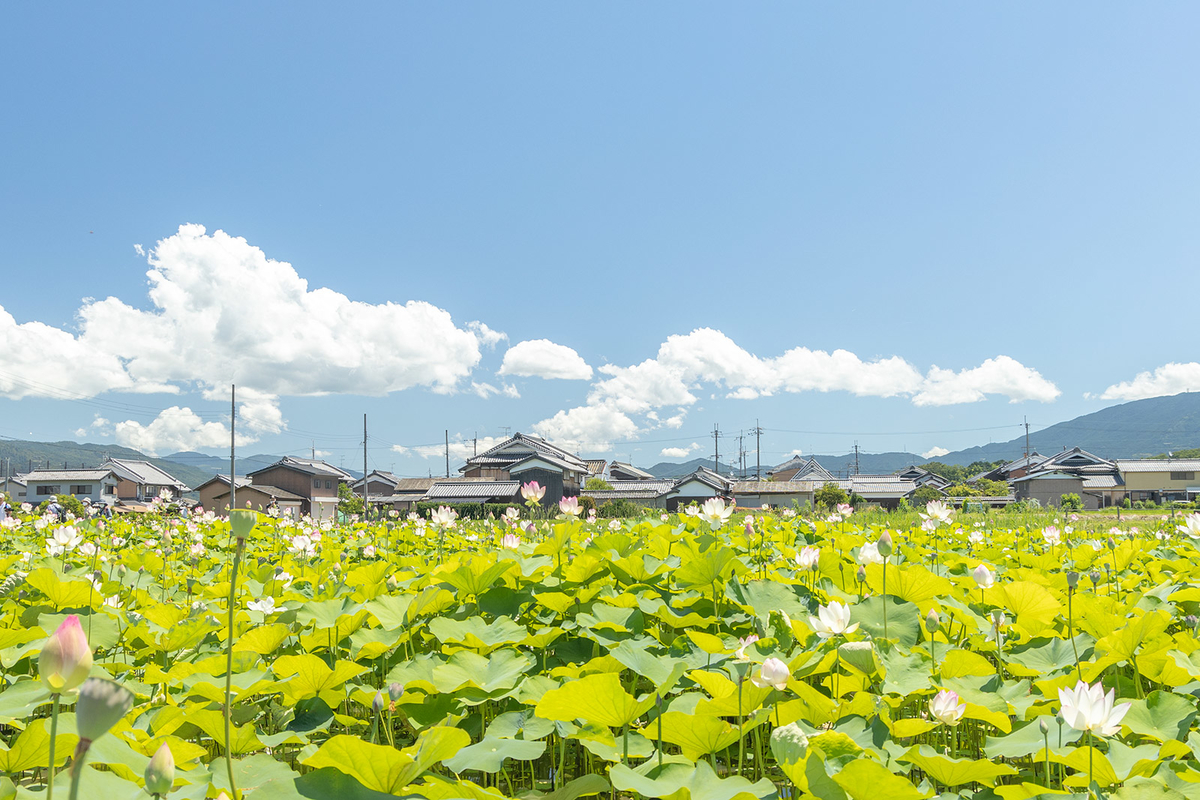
999	375
321	454
542	358
934	452
510	391
1168	379
172	430
461	448
679	452
686	363
222	312
590	428
796	452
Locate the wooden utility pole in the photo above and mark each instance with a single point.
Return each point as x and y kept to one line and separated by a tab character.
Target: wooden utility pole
366	507
232	447
716	449
1027	440
856	458
757	450
447	452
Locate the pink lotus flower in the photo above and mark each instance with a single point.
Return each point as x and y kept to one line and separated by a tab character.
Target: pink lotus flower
844	509
569	506
66	657
533	492
510	541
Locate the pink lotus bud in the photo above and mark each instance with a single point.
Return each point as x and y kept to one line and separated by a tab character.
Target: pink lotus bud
66	658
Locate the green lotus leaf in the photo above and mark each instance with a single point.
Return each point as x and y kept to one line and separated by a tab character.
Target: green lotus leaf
489	675
955	771
599	698
1032	604
474	576
477	634
1161	715
865	779
489	755
696	735
1045	656
1028	739
911	583
682	781
31	748
386	769
903	620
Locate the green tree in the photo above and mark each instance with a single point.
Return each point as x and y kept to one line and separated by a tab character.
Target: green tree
925	495
829	495
962	490
597	484
348	501
1071	502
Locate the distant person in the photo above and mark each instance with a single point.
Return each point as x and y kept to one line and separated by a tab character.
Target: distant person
57	509
5	509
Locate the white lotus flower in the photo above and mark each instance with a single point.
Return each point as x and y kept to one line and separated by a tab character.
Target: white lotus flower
1088	708
265	606
443	517
946	708
510	541
773	673
63	540
869	554
1190	526
715	512
1052	536
937	512
976	537
808	558
832	620
744	643
511	515
984	577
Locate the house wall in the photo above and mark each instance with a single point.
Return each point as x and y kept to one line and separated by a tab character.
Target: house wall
102	491
1049	492
249	497
781	500
495	473
553	481
1159	481
296	482
209	494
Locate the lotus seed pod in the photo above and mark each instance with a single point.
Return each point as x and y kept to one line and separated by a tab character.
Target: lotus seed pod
1095	576
1072	579
160	772
395	691
66	657
102	703
933	623
242	520
885	544
1191	620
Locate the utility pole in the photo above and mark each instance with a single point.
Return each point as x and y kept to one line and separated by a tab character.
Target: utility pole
366	506
757	451
1026	437
447	452
741	454
232	447
475	444
314	450
856	458
716	449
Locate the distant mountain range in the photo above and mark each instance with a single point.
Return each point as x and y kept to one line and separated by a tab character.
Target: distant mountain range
1138	429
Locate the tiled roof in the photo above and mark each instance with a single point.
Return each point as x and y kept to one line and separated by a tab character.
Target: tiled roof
561	463
775	487
601	495
595	466
629	469
1159	465
144	472
308	466
1102	482
520	446
242	480
68	475
464	490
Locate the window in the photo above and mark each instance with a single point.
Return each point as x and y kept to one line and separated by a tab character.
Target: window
1183	476
316	483
45	490
110	489
81	488
328	484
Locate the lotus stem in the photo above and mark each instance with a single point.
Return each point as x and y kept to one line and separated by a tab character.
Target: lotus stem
1070	634
53	736
237	560
741	735
883	596
77	767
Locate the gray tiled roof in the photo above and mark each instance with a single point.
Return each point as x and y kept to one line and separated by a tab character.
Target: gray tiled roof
144	472
1159	465
464	490
308	466
1102	482
68	475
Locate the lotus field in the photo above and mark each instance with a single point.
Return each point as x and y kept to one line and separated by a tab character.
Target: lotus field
702	654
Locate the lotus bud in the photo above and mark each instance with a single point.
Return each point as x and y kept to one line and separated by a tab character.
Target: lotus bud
392	583
22	594
1072	579
121	570
933	623
749	526
1043	726
377	703
1111	544
66	658
885	544
861	574
395	691
102	703
222	796
160	772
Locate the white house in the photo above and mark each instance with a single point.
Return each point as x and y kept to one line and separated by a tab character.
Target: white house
97	485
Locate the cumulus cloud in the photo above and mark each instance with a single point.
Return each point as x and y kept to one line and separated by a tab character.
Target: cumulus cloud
934	452
461	448
1168	379
679	452
542	358
587	428
222	312
686	363
172	430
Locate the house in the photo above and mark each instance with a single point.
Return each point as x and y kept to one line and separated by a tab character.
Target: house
923	477
596	467
649	493
97	485
775	494
454	491
141	481
314	482
885	491
14	487
1013	469
621	471
800	469
696	488
216	486
379	484
1160	480
526	458
262	498
1048	488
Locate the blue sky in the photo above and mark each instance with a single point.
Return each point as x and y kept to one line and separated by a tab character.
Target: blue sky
1005	193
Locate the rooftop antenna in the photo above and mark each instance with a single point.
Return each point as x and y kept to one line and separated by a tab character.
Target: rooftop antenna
366	505
232	445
